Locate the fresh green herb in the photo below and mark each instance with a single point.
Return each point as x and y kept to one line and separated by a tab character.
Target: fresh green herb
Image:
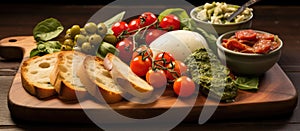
47	29
210	38
43	32
247	82
44	48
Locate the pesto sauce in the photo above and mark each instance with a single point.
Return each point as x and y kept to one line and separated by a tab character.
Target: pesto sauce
211	75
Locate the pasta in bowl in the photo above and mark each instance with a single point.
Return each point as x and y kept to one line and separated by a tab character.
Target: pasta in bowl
212	17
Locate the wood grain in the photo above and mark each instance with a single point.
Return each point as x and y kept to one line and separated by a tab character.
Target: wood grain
276	92
5	81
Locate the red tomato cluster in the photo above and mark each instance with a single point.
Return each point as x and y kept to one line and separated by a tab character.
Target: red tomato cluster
160	69
146	20
146	27
157	70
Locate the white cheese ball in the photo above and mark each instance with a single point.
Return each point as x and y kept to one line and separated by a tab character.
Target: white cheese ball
180	43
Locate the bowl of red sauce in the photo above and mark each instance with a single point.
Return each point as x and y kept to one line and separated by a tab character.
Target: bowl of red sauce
248	51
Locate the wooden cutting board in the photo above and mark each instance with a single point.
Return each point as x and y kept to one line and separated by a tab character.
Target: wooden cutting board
276	96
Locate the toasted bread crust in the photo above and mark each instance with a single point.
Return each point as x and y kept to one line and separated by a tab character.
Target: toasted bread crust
128	80
66	89
94	86
40	90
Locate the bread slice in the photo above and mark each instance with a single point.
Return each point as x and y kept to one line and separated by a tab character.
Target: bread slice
98	80
35	75
64	77
127	79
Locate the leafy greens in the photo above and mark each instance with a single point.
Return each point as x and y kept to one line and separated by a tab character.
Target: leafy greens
47	29
43	32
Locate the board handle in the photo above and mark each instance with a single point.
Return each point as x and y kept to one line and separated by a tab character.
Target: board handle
10	46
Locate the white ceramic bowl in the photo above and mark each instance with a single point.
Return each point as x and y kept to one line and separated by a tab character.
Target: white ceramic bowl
219	29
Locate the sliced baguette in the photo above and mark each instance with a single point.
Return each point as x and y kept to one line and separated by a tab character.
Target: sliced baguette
64	77
98	80
127	79
35	75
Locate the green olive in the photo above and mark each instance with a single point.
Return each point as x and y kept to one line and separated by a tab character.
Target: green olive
75	29
86	47
102	29
80	39
68	31
90	28
68	42
63	47
95	39
110	38
68	36
69	47
66	47
83	32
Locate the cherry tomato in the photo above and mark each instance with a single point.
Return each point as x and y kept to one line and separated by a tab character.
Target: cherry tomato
152	34
140	65
170	22
142	50
184	86
246	35
119	27
156	78
125	48
147	18
164	58
175	69
134	25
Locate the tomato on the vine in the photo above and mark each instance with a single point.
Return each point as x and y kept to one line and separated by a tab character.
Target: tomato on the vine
125	48
147	18
170	22
156	78
184	86
175	70
164	58
134	25
152	34
119	28
143	50
140	65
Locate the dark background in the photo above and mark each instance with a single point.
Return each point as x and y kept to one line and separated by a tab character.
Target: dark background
193	2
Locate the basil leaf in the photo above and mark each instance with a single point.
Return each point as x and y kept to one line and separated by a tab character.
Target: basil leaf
247	82
45	48
179	12
52	44
210	38
47	29
113	20
34	52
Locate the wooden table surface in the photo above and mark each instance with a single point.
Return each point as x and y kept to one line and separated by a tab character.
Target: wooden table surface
19	20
